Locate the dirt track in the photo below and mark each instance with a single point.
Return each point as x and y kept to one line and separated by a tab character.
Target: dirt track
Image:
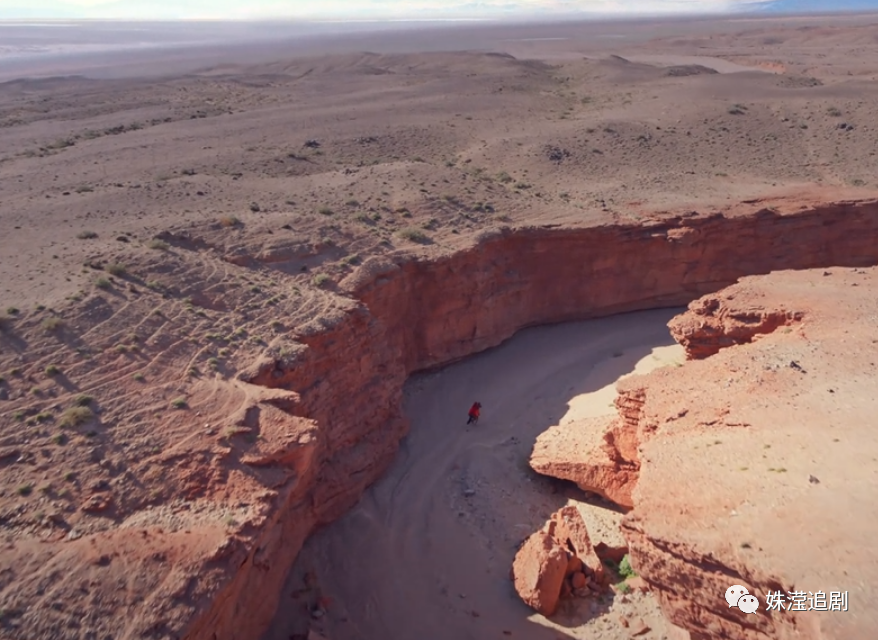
433	541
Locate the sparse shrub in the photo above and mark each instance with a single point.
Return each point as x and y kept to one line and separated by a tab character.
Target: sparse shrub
326	211
75	416
44	416
12	311
116	269
835	112
18	416
103	283
158	244
52	370
82	400
254	207
86	235
179	403
522	185
625	569
413	234
25	489
229	221
84	189
353	203
138	377
320	279
52	324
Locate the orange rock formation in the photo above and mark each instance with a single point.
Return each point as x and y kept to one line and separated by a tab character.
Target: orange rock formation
732	457
557	561
410	314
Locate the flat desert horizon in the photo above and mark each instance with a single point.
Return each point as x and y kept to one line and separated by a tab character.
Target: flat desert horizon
119	49
254	275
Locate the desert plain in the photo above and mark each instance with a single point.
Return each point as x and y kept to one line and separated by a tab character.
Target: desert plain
247	298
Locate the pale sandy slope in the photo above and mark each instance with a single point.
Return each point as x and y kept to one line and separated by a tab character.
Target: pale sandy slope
419	555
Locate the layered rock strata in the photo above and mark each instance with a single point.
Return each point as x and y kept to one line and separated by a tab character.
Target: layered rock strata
755	465
409	314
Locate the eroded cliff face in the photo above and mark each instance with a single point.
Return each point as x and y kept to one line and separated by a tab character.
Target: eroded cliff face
747	460
710	326
408	314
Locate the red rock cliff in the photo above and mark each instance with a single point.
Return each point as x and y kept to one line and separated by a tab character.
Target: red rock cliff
409	314
752	463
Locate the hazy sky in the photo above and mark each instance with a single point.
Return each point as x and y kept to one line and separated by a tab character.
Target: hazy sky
243	9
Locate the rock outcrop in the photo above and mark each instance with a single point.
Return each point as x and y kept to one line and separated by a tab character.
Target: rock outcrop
407	314
751	462
711	325
567	526
557	561
539	571
584	452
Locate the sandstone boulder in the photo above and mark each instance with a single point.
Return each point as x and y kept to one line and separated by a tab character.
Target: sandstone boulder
568	528
538	572
557	561
578	580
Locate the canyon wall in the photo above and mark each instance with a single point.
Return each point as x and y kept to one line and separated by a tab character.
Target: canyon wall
410	314
750	465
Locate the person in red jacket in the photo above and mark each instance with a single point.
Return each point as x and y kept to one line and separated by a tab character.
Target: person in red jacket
474	413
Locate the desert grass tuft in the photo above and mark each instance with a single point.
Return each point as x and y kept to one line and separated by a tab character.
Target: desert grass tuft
413	234
75	416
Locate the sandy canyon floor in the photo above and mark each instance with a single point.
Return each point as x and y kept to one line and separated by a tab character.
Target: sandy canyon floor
442	526
195	375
